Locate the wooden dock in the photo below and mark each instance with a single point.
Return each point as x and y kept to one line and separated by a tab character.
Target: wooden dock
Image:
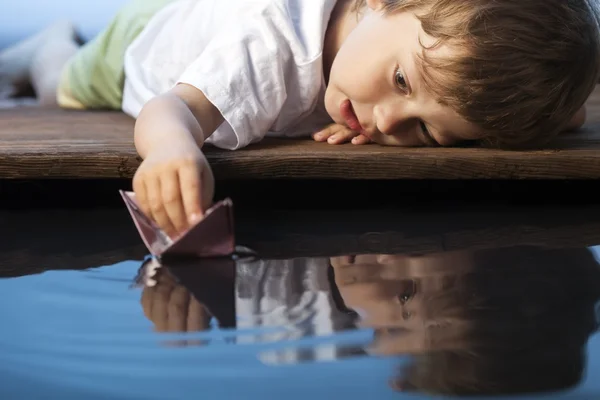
42	144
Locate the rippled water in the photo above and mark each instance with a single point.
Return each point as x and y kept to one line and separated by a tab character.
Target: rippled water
513	314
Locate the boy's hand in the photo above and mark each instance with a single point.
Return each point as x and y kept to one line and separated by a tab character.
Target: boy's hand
174	185
172	308
338	134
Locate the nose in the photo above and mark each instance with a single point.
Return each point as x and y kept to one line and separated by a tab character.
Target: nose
391	117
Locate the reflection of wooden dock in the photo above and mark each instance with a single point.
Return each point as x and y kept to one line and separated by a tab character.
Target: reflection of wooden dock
37	144
80	239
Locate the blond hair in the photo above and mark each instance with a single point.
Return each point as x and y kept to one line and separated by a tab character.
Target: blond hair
522	69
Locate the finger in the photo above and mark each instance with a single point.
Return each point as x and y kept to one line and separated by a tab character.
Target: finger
191	192
159	311
361	139
198	317
343	136
141	194
198	320
157	209
324	134
146	301
172	201
178	310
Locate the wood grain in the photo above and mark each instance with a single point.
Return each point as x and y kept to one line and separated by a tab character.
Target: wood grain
41	144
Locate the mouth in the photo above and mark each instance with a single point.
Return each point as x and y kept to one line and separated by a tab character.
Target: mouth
350	117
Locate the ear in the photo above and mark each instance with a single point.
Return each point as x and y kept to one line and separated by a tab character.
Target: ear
375	5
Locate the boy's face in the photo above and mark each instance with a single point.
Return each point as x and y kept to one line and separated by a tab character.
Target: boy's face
387	293
375	284
376	72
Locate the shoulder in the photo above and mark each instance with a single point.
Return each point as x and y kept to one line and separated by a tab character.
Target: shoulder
300	25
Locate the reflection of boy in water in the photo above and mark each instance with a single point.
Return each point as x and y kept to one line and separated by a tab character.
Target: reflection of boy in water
475	322
485	322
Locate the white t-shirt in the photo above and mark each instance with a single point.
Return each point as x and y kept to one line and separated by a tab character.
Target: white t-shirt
287	300
258	61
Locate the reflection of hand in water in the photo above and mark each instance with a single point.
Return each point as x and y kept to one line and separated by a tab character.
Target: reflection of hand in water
497	321
171	307
183	296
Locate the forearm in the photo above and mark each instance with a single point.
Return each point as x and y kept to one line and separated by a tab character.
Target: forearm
180	116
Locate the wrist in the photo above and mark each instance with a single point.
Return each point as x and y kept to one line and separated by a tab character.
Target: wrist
166	121
151	138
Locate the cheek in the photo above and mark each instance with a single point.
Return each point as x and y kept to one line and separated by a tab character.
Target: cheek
352	56
356	77
361	74
355	50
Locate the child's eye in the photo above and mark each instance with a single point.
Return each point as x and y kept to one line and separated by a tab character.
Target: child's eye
399	79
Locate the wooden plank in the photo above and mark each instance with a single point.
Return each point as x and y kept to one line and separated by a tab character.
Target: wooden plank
41	144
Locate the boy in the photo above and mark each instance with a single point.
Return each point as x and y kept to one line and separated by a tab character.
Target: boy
393	72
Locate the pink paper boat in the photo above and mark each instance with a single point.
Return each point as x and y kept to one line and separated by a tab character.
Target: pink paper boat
213	236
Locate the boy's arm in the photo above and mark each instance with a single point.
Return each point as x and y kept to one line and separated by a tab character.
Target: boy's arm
174	184
180	115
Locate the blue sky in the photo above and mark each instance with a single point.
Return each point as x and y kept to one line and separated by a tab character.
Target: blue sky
20	18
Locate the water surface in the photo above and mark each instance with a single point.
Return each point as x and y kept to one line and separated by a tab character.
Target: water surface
354	305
